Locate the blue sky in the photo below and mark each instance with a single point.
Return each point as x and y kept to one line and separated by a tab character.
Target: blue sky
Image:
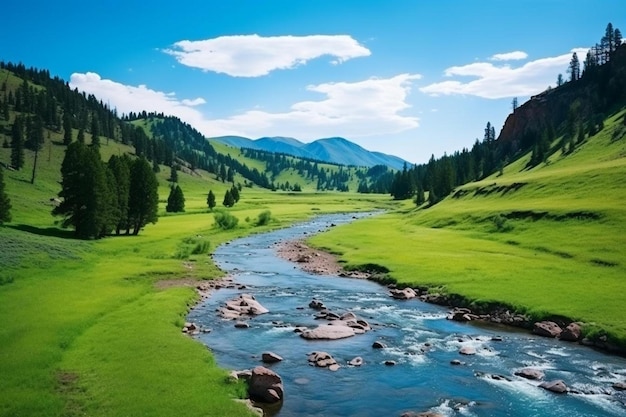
406	77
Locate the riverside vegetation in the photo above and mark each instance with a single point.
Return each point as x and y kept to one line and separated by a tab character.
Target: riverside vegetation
94	326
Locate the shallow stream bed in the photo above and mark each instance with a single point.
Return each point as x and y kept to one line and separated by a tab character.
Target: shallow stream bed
419	339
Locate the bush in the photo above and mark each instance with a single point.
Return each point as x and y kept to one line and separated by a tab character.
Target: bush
201	247
225	221
264	218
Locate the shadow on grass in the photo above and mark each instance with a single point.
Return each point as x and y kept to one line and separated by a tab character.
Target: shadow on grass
44	231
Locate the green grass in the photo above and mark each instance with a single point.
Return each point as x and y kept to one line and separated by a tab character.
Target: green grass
86	330
554	246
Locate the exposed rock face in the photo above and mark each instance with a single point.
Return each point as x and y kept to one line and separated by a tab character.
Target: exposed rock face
270	357
547	329
530	373
556	386
265	385
572	333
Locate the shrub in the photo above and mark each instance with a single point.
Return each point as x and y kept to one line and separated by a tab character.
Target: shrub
264	218
501	224
201	247
225	221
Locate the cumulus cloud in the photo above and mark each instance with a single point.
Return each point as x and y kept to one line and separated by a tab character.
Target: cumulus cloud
509	56
364	108
500	81
128	99
255	56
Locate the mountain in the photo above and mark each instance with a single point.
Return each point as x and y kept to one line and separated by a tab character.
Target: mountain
334	150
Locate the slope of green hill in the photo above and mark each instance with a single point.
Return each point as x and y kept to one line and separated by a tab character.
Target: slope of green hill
548	241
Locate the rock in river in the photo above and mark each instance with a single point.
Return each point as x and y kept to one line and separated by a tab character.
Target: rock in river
556	386
547	329
265	385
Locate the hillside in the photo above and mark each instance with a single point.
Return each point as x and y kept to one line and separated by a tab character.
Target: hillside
332	150
546	240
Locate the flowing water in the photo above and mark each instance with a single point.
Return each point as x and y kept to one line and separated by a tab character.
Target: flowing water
418	337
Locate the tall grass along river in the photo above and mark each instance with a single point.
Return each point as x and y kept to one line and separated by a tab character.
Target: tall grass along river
417	336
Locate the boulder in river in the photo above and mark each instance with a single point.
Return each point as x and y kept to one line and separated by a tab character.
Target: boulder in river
620	386
270	357
547	329
403	294
323	360
467	350
557	386
328	332
243	305
530	373
378	345
571	333
358	361
265	385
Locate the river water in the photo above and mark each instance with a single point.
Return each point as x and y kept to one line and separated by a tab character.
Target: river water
418	337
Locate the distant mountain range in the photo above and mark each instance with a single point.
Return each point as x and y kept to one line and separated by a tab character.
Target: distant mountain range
335	150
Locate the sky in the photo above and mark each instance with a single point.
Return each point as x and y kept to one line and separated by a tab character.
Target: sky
411	78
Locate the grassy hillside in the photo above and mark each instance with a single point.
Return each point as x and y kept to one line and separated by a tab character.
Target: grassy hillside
546	241
87	327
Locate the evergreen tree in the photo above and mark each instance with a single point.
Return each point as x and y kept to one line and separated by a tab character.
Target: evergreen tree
95	132
5	202
581	134
17	144
173	174
176	200
574	68
235	193
81	135
229	201
420	198
85	193
559	80
67	128
210	200
144	197
119	166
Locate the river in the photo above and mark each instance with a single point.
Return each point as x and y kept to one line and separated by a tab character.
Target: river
418	338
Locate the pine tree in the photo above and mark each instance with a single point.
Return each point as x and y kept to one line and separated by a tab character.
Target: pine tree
210	200
143	201
229	201
120	168
85	193
574	68
176	200
67	128
173	174
81	135
17	144
5	202
235	193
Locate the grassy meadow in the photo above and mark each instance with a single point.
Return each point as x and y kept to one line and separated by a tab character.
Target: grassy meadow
87	330
549	241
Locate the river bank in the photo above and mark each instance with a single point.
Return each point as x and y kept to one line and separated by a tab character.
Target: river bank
319	261
424	365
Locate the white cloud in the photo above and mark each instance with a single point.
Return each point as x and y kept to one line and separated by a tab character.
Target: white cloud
509	56
128	99
364	108
254	56
195	102
500	81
